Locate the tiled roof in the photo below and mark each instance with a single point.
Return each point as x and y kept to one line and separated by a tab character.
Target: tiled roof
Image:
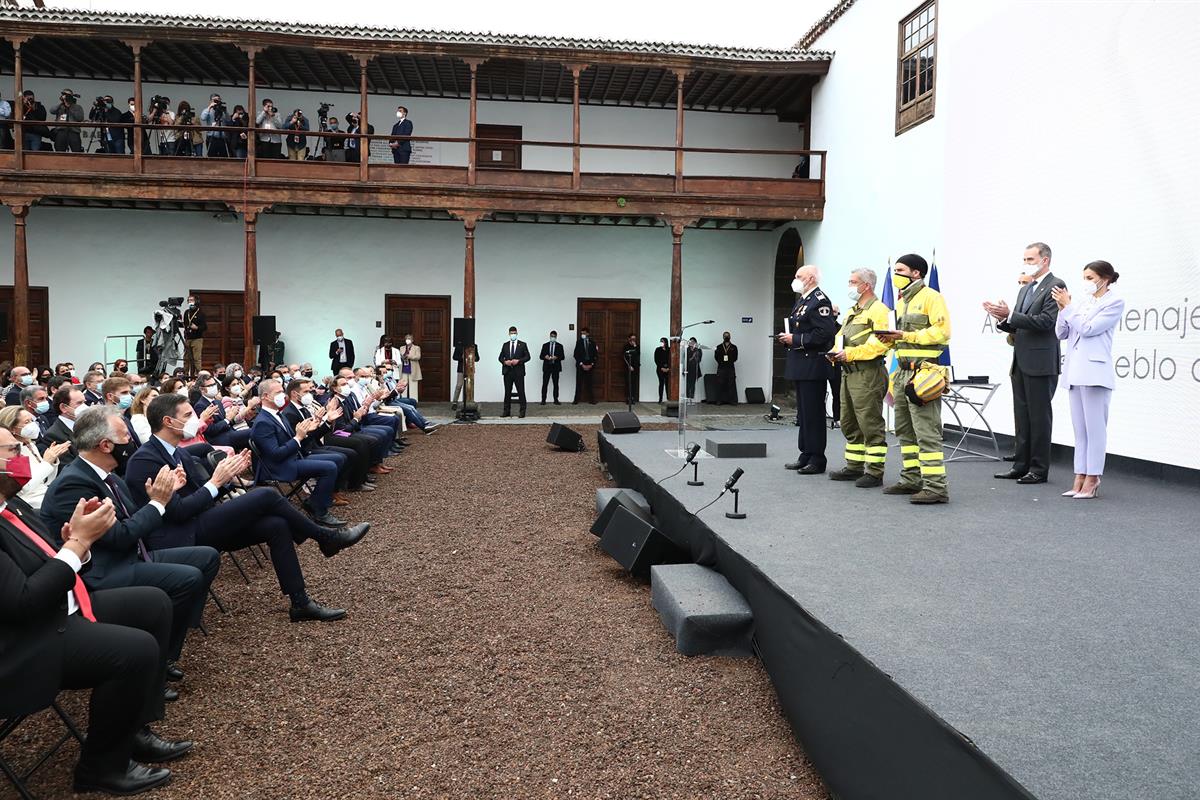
399	35
823	24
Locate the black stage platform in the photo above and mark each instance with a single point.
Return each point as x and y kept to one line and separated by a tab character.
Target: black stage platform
1013	643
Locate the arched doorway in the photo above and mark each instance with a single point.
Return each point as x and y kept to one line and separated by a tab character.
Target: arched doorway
788	255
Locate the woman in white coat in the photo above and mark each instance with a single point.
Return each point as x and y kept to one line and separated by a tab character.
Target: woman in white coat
407	360
1087	326
43	467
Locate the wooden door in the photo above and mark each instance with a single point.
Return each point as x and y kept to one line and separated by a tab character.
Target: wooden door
497	147
610	322
428	320
224	338
39	326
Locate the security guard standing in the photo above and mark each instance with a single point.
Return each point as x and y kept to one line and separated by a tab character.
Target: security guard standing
864	384
924	331
812	330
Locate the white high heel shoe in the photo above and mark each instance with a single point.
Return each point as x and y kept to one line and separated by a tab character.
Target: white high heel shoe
1070	493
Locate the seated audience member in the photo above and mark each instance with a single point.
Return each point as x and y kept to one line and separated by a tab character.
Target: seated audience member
371	398
137	413
357	454
18	379
98	366
36	400
43	469
120	366
118	393
68	402
351	422
236	396
56	635
44	375
120	558
92	395
282	457
220	430
260	515
394	383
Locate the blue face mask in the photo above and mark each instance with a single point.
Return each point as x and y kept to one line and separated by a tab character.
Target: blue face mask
42	407
26	380
124	401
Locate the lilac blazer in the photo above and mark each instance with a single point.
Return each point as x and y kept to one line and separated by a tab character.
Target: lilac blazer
1088	332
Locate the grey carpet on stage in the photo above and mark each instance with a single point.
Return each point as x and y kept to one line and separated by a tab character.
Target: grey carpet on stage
1060	635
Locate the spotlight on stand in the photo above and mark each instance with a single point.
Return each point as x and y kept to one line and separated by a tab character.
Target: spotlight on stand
729	487
774	415
694	451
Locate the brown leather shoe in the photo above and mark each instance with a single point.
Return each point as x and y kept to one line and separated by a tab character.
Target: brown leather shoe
339	500
379	469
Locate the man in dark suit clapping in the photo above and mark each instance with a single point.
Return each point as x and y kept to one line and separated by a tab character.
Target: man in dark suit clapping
552	357
1035	366
514	355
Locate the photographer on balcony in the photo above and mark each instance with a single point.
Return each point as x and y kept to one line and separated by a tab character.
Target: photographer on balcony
131	117
238	141
355	146
270	145
162	118
297	145
33	111
190	137
112	140
214	117
68	110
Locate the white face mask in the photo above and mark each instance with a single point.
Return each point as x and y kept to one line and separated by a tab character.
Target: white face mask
309	400
399	115
344	391
210	391
31	431
853	295
797	286
191	428
1091	287
408	341
280	399
512	337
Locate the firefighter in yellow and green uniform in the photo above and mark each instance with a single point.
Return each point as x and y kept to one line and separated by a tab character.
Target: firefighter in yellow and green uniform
864	383
923	331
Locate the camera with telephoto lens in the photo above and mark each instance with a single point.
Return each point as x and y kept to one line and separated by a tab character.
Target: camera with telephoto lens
98	104
219	109
68	97
158	106
323	111
186	116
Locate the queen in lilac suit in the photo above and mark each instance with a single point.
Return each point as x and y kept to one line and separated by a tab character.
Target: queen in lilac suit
1087	327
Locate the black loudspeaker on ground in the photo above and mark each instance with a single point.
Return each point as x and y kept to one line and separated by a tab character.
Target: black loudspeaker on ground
621	422
564	438
755	394
637	545
621	500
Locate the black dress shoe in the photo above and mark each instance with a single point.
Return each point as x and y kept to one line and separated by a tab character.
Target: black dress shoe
170	695
340	540
812	469
134	779
312	610
174	673
1031	477
149	747
522	415
1011	475
794	465
327	520
1010	459
557	403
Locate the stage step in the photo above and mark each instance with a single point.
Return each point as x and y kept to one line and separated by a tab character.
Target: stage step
604	495
704	613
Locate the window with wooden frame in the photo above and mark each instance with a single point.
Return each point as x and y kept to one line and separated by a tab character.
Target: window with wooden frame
916	73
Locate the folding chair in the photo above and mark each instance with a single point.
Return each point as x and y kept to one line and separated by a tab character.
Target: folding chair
7	726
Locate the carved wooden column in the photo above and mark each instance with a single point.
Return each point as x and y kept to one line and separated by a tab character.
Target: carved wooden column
18	104
20	210
136	46
472	150
680	76
252	112
469	220
575	70
364	145
676	324
250	284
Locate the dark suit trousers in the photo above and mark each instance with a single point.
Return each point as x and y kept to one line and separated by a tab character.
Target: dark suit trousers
691	385
583	384
354	472
512	381
122	658
1034	417
548	376
726	385
321	467
835	386
810	413
185	574
238	440
262	515
633	382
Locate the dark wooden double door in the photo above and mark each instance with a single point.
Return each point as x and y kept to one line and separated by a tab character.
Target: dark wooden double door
610	323
39	326
224	337
428	320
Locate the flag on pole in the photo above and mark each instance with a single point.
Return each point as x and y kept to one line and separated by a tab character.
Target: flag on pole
935	284
889	300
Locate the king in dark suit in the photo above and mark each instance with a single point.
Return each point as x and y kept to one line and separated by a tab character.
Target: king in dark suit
55	634
1035	366
120	558
552	356
514	355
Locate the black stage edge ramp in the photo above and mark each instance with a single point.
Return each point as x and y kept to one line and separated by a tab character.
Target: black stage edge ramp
867	736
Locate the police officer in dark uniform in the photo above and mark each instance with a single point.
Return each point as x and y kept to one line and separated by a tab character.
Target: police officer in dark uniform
813	329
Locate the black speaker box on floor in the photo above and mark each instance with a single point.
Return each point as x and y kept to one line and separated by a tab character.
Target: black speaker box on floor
671	409
710	389
263	330
621	422
754	394
621	500
464	331
564	438
637	545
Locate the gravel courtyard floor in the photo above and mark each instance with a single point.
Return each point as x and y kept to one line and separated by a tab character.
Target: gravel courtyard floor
492	650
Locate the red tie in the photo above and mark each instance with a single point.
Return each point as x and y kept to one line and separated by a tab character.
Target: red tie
81	595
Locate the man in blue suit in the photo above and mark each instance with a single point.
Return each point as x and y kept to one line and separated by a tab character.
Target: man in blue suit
219	431
120	558
281	453
402	148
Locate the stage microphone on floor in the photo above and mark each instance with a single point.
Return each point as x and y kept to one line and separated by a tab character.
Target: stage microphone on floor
693	451
691	459
733	479
729	487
